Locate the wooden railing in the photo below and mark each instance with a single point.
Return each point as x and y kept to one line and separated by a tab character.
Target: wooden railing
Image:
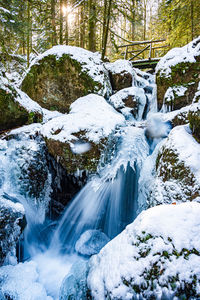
138	52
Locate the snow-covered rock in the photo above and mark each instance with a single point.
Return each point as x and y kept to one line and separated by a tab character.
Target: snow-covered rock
21	282
130	102
11	223
77	139
16	108
62	74
121	74
91	242
178	75
177	169
155	257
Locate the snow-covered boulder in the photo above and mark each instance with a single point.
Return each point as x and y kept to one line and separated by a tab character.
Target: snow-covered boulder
91	242
62	74
16	108
121	74
11	225
21	282
178	76
77	139
177	169
130	102
156	257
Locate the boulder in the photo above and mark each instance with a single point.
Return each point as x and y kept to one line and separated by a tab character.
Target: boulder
130	102
16	108
194	119
177	175
11	224
155	257
178	75
62	74
78	139
121	74
91	242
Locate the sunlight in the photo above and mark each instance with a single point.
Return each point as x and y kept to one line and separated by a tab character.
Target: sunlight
67	11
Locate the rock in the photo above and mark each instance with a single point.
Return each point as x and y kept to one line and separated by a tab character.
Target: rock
85	125
16	108
64	73
74	285
91	242
178	75
177	172
130	101
21	282
155	257
11	224
121	74
194	119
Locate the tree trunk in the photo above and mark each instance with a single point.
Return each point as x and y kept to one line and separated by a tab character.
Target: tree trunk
53	22
28	31
61	23
107	7
145	20
133	20
66	25
92	26
82	25
192	19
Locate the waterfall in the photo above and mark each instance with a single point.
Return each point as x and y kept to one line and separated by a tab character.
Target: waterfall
109	201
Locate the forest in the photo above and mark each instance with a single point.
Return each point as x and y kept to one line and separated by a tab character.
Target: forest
35	26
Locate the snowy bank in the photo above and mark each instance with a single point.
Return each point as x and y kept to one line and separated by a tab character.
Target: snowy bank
157	255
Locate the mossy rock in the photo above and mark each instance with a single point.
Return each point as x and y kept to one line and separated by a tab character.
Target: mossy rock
183	74
73	163
12	113
175	181
194	119
55	83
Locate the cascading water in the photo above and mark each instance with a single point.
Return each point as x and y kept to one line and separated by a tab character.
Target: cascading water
108	202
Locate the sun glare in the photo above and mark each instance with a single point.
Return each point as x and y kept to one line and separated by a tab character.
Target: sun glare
67	11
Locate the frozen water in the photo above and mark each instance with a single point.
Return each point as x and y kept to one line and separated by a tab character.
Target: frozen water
91	242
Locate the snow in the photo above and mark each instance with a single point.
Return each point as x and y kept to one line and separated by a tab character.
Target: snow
91	63
86	114
188	149
174	91
183	111
186	54
27	102
21	282
4	10
118	100
16	207
158	232
119	66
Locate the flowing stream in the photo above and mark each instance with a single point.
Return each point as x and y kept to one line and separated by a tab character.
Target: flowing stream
108	202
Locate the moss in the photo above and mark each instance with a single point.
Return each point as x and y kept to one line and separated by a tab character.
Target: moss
194	119
185	74
12	114
169	167
56	83
87	161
